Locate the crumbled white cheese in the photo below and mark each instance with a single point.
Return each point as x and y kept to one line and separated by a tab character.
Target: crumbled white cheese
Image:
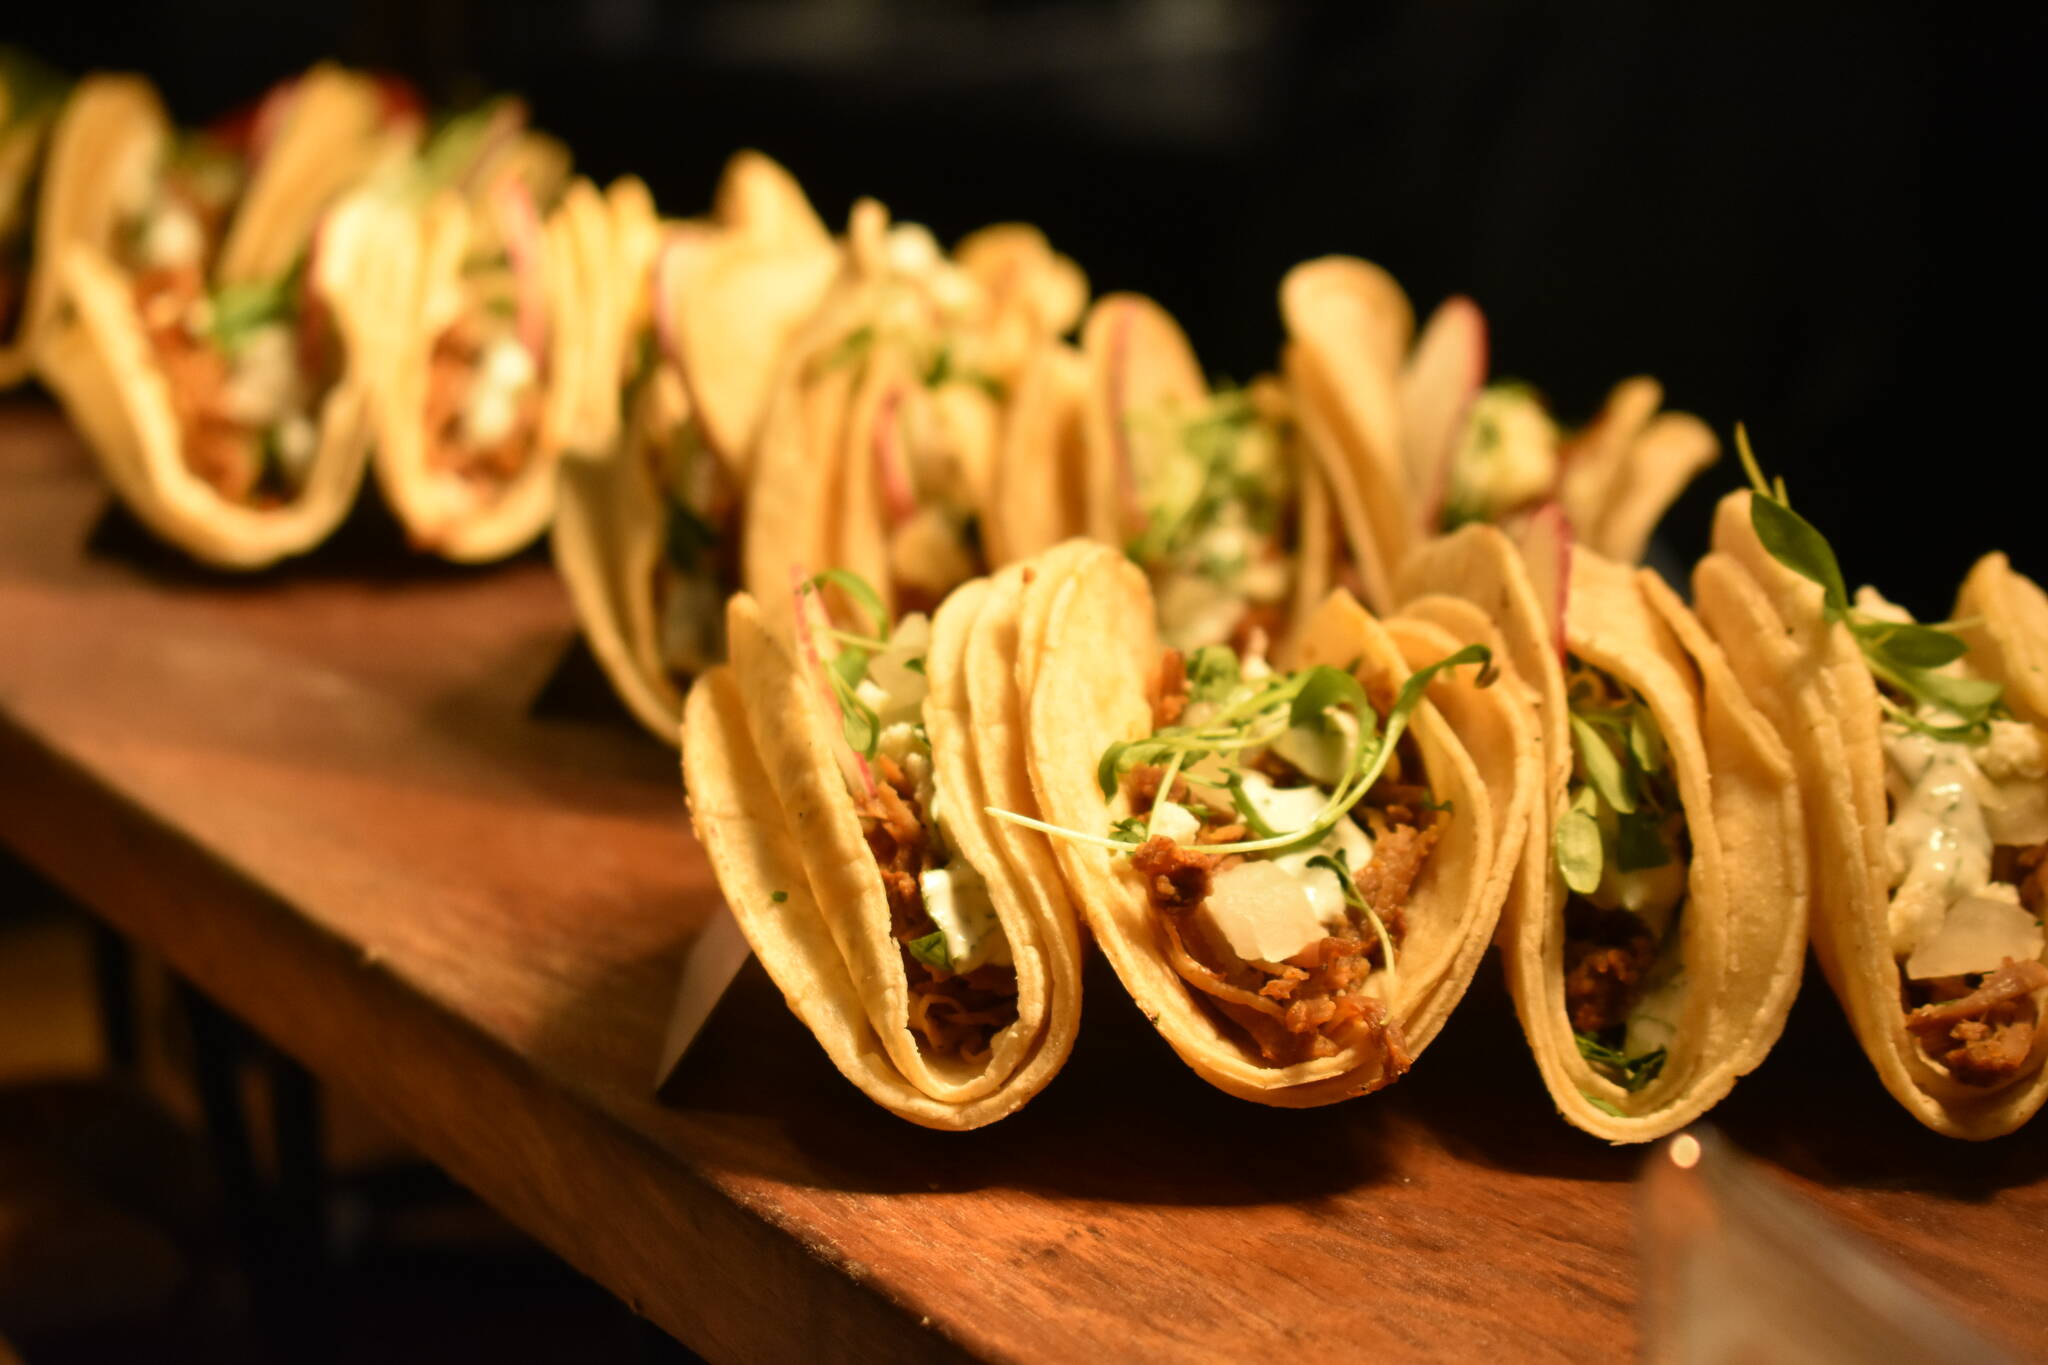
504	373
262	382
957	899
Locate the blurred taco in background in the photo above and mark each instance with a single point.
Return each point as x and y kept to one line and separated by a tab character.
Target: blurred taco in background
500	307
839	781
1923	762
1654	937
1431	444
31	95
647	532
1215	495
1294	868
106	126
211	349
877	447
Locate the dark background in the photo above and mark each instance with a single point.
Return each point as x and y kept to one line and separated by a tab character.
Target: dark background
1809	218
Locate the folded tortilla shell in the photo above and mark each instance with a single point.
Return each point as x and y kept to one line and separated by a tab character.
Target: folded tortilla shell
758	767
1348	328
1038	492
111	130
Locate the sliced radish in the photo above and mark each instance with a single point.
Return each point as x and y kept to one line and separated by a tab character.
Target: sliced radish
507	122
1546	540
398	102
248	129
899	497
269	119
519	227
810	619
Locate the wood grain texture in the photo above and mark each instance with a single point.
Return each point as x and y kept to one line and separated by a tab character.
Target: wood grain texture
326	795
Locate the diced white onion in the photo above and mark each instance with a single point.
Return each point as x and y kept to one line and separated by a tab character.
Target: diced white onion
1261	912
1978	935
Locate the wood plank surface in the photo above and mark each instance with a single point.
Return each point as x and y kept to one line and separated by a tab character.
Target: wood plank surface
336	796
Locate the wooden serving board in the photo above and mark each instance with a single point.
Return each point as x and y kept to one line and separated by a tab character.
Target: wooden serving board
328	796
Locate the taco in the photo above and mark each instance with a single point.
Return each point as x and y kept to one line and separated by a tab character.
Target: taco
1655	934
220	326
1214	495
1292	868
647	532
839	781
1924	768
1431	445
877	446
500	336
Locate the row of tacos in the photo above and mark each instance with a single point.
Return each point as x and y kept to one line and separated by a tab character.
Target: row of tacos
965	553
245	319
1294	860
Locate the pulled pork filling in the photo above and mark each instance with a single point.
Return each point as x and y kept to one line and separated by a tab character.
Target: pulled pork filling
483	402
246	369
1272	938
248	365
957	960
954	1013
1623	849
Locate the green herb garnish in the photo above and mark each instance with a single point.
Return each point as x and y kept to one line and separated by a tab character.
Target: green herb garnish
1132	829
690	539
1625	793
852	349
1577	845
778	896
1252	722
1213	673
931	950
1633	1073
1902	655
237	312
848	665
1211	477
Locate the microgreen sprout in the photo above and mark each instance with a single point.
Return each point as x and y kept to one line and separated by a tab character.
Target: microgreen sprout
1903	655
1250	720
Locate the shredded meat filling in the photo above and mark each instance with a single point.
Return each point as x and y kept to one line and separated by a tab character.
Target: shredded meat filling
1983	1036
2033	885
452	371
1606	955
217	449
952	1013
1310	1006
1176	877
